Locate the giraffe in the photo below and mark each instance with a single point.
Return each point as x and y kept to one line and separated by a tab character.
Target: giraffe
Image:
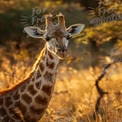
27	100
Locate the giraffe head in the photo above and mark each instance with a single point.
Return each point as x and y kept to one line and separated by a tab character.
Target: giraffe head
56	36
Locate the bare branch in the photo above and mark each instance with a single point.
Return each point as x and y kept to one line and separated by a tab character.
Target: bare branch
99	89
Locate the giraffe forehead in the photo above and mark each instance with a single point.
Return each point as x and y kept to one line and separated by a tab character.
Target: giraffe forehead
57	32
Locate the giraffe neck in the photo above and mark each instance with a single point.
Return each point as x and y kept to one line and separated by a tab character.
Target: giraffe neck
30	100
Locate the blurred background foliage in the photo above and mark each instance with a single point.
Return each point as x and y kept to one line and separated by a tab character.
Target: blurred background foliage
88	48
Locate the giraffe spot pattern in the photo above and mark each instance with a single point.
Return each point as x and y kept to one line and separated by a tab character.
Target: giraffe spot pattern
17	104
1	100
41	100
50	55
32	90
38	75
48	76
50	65
41	66
16	96
7	119
47	89
26	98
38	84
8	101
2	112
23	87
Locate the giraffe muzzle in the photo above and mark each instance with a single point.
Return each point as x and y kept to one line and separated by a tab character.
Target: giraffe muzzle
63	49
62	53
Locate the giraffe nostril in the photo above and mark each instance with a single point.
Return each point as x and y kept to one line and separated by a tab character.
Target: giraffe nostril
59	50
62	50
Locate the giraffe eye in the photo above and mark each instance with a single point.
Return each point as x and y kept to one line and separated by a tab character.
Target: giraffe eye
68	37
47	38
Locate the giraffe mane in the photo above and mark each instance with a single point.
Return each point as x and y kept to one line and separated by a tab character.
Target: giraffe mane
7	90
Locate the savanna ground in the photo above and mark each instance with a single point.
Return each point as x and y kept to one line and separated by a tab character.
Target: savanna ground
75	93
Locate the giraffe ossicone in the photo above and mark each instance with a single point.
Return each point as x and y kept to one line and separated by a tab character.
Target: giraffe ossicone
28	100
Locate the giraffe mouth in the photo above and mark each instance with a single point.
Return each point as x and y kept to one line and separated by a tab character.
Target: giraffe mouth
62	55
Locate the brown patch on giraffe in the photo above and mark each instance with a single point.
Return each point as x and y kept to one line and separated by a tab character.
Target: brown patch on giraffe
16	96
41	100
50	65
36	111
3	112
7	119
31	90
8	101
50	55
23	87
17	104
47	89
48	76
41	65
38	84
1	100
26	98
38	75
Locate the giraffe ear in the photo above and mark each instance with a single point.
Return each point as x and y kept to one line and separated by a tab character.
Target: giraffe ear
34	32
75	29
